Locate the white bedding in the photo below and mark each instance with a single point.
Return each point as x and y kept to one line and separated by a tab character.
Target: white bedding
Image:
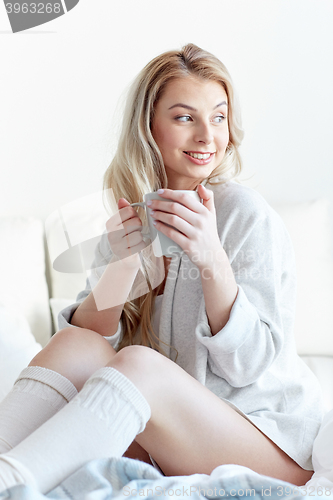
322	457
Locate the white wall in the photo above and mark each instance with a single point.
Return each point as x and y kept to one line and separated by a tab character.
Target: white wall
61	82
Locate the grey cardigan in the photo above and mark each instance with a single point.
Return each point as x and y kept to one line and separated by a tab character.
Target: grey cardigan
252	362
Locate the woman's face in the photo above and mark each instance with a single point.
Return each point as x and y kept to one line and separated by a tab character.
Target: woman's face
190	127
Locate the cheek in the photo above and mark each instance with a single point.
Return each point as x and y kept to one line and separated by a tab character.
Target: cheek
224	140
167	140
173	140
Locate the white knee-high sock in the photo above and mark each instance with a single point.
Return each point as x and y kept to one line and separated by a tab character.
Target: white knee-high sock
38	393
101	421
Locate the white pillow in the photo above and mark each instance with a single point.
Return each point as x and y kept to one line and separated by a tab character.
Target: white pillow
17	347
308	224
58	305
322	367
22	271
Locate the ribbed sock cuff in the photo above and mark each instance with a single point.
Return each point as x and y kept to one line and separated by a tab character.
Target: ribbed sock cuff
99	399
51	378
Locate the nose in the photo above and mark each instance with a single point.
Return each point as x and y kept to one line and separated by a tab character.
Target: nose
203	133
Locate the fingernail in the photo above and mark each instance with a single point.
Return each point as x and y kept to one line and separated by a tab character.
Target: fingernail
160	191
149	203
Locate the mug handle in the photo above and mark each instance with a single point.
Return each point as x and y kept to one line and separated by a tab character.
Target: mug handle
139	204
143	205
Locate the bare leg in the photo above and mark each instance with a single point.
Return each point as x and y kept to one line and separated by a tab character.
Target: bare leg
191	430
77	353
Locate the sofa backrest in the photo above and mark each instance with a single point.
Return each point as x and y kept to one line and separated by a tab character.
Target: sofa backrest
22	269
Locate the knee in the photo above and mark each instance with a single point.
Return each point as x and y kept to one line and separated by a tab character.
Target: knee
139	357
77	335
75	353
141	364
81	341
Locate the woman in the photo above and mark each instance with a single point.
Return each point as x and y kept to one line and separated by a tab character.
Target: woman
204	362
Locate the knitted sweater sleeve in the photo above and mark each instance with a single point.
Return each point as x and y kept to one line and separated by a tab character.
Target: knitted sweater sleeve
261	319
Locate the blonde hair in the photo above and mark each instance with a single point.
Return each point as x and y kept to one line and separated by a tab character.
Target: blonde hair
137	167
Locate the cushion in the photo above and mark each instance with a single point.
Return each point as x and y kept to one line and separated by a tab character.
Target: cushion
58	305
308	224
22	271
17	347
322	367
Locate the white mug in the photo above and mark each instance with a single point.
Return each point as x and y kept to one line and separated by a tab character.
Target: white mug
162	245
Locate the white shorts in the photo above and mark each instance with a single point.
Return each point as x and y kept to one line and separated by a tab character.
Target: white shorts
155	465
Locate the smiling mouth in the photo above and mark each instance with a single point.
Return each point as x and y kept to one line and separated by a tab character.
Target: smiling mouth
199	156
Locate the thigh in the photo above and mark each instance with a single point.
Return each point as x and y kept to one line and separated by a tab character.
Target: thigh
191	430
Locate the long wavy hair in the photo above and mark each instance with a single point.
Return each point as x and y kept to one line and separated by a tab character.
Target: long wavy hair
137	167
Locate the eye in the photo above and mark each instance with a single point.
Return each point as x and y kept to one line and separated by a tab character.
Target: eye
219	119
183	118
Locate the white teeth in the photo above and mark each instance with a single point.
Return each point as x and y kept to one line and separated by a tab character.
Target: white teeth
200	156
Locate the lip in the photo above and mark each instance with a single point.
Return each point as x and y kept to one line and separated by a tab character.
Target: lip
196	161
200	152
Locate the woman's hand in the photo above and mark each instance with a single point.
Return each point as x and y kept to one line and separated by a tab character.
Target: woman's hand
126	242
193	225
195	231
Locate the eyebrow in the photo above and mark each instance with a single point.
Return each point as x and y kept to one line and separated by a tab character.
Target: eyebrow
181	105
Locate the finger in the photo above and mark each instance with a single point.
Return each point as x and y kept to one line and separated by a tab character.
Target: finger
182	198
117	236
117	232
173	208
139	247
174	222
126	213
133	224
175	235
127	245
132	239
207	197
116	222
133	250
122	202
